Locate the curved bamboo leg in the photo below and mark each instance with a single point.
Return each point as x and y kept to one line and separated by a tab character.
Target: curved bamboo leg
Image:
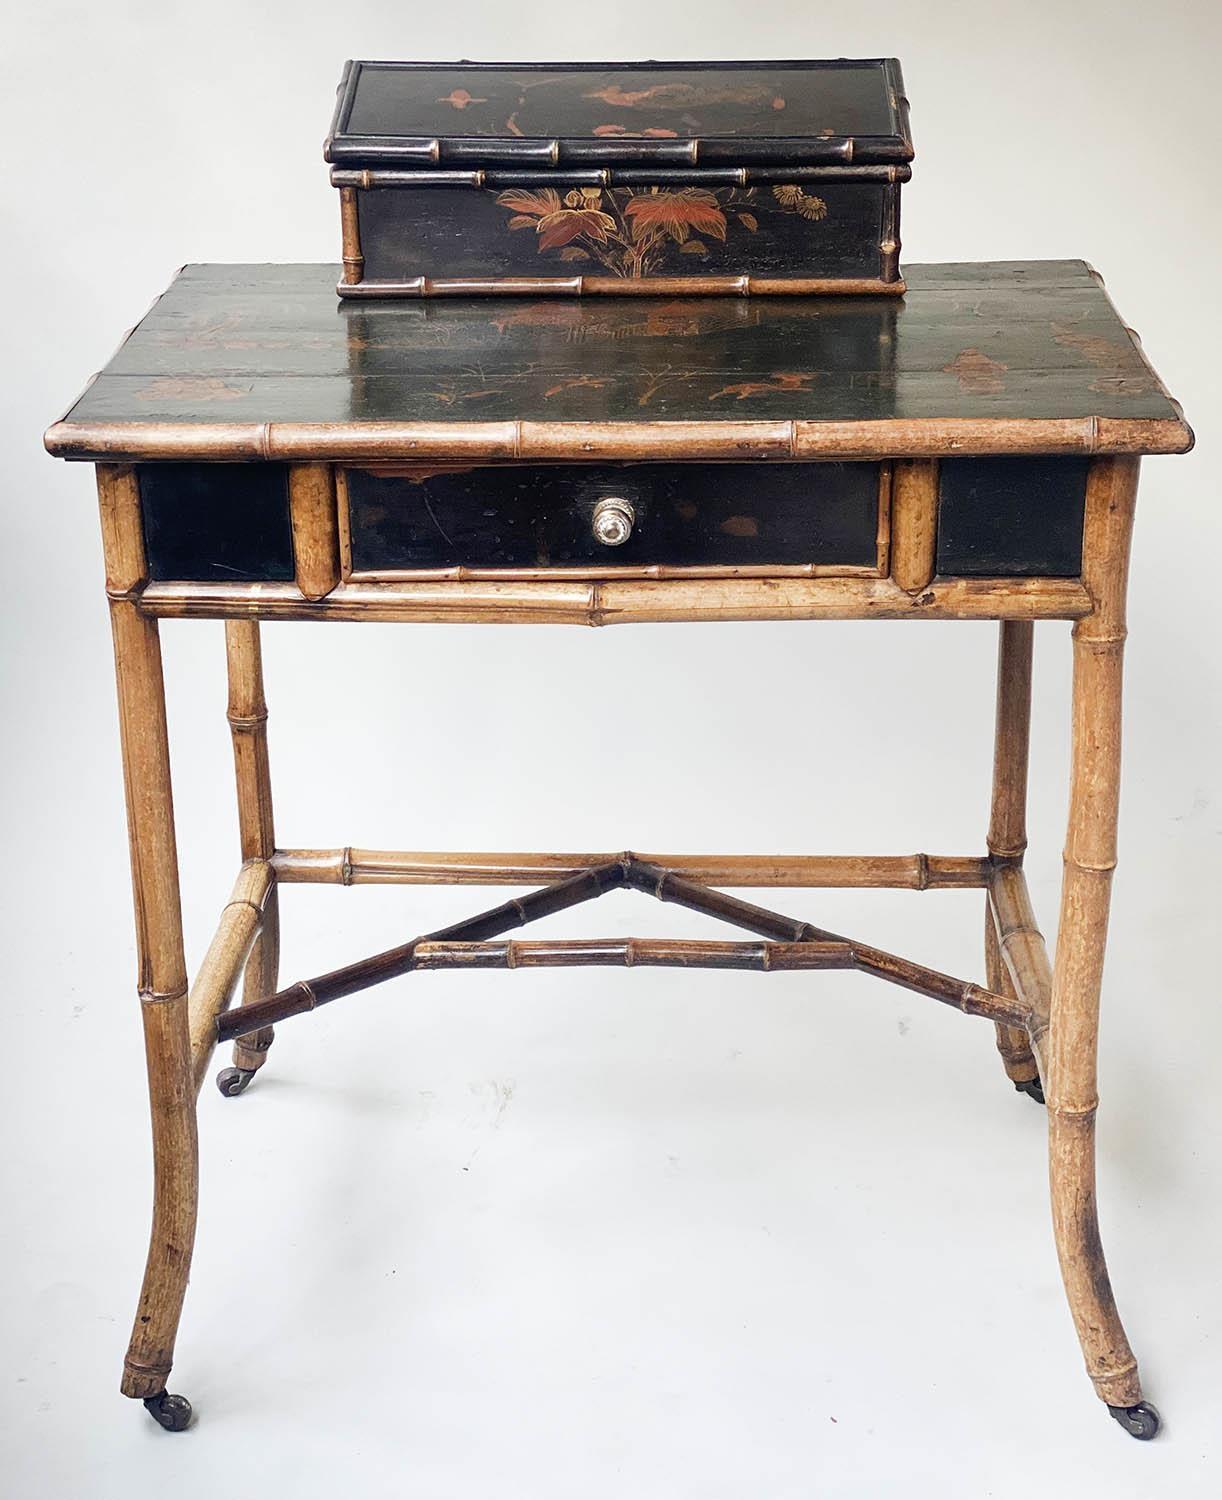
1008	823
163	996
1090	858
248	727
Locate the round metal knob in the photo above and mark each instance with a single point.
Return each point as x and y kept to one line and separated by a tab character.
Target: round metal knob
612	520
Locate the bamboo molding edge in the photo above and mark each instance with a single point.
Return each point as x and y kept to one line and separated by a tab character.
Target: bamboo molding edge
886	438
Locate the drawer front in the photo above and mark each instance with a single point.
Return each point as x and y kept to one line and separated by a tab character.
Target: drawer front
595	520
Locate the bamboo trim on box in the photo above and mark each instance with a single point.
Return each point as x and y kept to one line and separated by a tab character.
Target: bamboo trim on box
469	441
627	601
641	286
913	872
350	230
365	178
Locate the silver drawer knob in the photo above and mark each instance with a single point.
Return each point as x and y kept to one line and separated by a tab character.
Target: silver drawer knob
612	520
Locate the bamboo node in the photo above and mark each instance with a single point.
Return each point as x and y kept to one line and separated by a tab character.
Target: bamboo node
1073	1111
162	997
345	866
248	722
922	872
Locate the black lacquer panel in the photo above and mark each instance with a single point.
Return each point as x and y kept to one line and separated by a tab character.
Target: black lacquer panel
257	344
787	230
686	515
217	523
388	112
1011	517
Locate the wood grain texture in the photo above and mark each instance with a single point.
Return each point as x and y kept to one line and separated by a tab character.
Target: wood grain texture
260	362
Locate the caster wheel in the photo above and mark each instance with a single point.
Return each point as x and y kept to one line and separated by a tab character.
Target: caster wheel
171	1412
1033	1090
1141	1421
233	1081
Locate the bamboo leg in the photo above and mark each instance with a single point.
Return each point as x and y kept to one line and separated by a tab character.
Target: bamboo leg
1008	819
163	996
248	726
1090	857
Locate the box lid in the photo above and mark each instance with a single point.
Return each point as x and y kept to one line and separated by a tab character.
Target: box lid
396	114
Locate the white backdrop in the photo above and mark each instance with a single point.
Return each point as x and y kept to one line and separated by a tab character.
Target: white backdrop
652	1235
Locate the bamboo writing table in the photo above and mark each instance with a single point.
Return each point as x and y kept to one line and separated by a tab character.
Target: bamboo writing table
970	452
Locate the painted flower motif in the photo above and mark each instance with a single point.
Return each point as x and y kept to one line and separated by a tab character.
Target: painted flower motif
790	195
555	223
676	214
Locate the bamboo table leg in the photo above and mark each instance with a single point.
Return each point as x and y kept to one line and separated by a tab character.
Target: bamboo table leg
1008	823
248	726
163	998
162	976
1090	858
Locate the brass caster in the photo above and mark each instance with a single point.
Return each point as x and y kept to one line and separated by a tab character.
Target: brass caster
171	1412
1033	1089
1141	1421
234	1081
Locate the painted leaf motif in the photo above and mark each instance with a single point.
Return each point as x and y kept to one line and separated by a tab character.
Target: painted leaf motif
529	201
566	224
521	221
749	221
676	214
694	247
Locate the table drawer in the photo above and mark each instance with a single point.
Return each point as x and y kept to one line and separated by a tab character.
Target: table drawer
599	519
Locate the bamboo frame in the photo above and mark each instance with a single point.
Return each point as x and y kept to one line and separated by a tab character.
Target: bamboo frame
611	601
162	978
247	714
214	983
312	515
1090	858
398	441
791	945
914	523
1007	837
913	872
1047	1013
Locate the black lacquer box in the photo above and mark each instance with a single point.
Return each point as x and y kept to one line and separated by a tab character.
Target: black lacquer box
665	178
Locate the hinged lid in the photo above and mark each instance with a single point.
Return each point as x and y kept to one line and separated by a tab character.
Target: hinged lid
553	114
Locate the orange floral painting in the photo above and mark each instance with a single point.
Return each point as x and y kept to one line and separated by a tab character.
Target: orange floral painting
632	233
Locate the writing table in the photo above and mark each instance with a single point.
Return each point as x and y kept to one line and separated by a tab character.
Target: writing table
968	452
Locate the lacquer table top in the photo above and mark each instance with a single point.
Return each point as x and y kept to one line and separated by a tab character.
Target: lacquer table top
263	361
